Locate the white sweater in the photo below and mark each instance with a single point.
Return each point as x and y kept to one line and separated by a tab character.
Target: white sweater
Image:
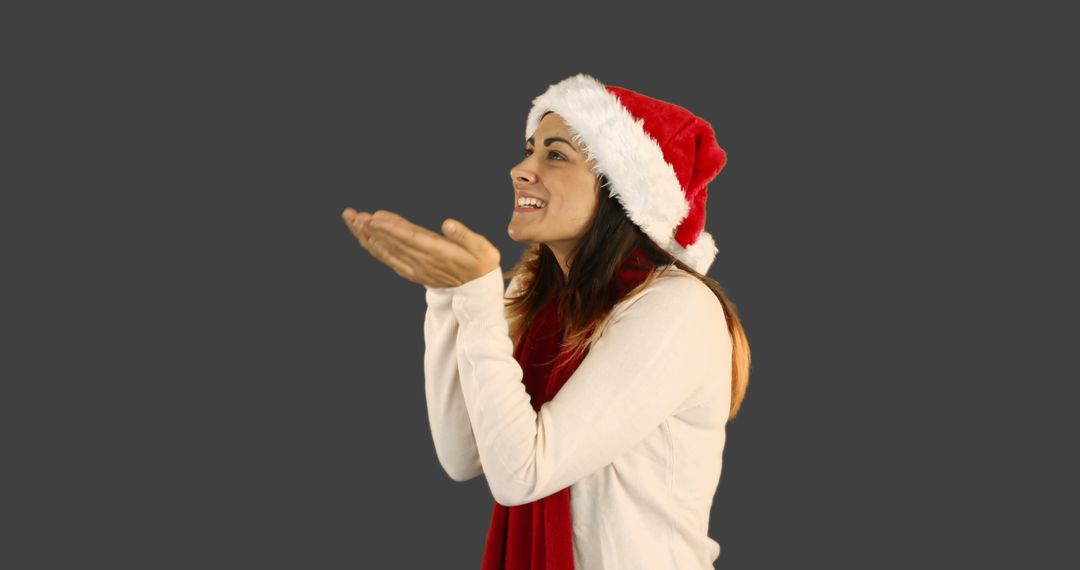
637	431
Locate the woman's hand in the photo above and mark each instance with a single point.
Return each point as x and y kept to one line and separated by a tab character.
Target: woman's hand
421	255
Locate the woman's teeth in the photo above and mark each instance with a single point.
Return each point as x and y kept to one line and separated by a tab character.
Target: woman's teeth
530	203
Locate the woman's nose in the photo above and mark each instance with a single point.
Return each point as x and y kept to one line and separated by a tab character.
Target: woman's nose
521	174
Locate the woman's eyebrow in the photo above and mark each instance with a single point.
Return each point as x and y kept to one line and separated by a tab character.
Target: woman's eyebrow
549	140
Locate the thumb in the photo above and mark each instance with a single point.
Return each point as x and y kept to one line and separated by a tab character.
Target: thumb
456	231
474	243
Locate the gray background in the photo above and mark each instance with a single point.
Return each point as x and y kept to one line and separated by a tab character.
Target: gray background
203	369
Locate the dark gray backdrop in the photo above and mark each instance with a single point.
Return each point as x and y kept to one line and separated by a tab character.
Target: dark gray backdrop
203	369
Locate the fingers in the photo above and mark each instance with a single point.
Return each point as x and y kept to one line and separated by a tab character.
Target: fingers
392	255
412	251
381	249
356	224
416	240
363	226
394	261
380	244
387	245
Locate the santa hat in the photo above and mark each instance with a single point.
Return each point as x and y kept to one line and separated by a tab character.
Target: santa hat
657	156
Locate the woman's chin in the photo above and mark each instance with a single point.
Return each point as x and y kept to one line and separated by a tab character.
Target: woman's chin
517	235
520	235
518	231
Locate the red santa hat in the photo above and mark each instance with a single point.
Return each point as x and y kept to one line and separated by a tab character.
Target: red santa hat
658	157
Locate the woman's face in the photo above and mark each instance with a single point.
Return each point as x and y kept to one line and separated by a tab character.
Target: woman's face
554	170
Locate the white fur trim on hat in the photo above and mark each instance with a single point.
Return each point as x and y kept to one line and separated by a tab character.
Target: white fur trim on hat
700	255
618	147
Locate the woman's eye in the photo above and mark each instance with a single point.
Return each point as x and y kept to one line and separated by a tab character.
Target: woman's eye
550	153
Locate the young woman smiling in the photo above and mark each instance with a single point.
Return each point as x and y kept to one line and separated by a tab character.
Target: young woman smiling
593	391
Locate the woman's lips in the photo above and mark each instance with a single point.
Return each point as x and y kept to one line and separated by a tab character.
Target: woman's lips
524	209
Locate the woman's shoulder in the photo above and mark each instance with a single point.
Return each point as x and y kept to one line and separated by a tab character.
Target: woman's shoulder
673	278
673	287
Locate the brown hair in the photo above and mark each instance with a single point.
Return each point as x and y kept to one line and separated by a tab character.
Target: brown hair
586	294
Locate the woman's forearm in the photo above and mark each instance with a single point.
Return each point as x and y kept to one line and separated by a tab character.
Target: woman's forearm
448	417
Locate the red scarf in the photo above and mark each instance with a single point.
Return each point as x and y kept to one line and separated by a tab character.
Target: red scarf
539	535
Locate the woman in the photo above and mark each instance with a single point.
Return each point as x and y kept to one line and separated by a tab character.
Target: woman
593	393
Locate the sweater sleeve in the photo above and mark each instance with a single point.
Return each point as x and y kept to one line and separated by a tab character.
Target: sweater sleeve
656	356
448	418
